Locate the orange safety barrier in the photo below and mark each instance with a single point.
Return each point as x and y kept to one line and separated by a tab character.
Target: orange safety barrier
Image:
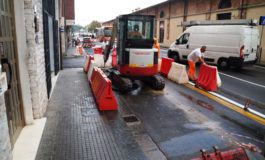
98	50
165	66
238	154
102	89
207	77
114	58
80	49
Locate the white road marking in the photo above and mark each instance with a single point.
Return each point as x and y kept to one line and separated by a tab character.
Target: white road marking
261	67
259	85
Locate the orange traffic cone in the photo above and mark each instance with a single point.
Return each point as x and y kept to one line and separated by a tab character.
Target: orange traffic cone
81	50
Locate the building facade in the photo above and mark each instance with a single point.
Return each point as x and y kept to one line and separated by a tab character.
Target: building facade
30	57
67	20
170	15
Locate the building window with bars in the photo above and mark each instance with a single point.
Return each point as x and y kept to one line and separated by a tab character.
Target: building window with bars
224	4
224	16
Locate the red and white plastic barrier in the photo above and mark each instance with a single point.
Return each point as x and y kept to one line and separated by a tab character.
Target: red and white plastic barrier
98	50
89	58
238	154
208	77
90	70
165	66
102	90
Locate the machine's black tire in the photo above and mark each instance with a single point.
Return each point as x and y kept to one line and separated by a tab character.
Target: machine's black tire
157	82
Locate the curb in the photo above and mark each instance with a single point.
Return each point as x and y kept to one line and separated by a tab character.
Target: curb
260	65
258	104
72	56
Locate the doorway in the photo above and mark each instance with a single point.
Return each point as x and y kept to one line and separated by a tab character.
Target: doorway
9	61
161	31
51	46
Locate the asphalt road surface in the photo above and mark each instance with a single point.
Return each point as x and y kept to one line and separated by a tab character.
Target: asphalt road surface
181	121
243	85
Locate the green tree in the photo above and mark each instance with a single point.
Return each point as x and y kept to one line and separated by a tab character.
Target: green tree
93	25
76	27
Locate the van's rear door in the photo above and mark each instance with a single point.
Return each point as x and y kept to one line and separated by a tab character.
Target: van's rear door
250	40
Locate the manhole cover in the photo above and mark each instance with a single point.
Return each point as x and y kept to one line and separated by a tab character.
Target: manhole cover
131	119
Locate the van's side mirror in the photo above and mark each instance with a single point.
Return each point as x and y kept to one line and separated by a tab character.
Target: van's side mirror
177	41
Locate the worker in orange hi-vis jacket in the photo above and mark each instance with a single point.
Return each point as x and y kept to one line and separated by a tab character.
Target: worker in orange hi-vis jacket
195	56
157	45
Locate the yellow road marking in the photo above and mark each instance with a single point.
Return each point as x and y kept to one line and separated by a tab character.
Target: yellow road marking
229	105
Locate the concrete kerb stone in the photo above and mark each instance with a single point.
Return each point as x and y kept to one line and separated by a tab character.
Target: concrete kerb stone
243	98
178	74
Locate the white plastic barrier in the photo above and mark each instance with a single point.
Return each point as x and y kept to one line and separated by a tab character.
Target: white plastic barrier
99	60
159	64
90	70
86	63
218	79
178	73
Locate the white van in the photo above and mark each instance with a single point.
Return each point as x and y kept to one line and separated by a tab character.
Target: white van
227	45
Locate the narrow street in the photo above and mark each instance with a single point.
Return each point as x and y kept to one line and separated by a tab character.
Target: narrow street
171	124
82	80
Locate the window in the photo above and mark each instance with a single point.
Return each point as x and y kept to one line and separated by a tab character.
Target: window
162	14
224	4
184	39
139	29
223	16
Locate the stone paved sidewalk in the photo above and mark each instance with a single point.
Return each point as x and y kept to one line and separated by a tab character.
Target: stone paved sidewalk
76	130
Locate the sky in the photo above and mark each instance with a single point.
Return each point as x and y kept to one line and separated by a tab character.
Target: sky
104	10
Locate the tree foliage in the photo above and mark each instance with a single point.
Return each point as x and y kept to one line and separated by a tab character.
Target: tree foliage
76	28
93	25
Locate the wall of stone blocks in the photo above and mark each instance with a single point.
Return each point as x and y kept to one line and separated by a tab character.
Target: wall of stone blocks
36	63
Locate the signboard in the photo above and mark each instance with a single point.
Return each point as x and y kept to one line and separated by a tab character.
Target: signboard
69	22
61	29
262	20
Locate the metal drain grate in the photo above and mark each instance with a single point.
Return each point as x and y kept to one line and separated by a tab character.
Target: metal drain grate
131	119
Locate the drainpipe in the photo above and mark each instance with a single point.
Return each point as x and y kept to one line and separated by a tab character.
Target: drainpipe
243	7
186	3
169	17
210	10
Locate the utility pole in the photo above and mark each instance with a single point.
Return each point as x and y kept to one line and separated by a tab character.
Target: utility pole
261	22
